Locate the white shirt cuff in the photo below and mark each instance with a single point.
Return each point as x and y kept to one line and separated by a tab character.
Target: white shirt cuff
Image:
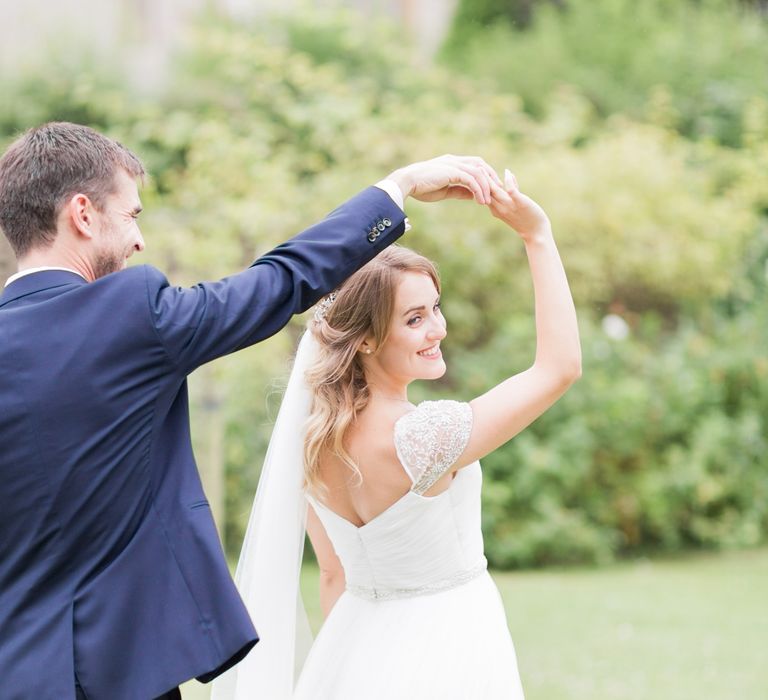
395	194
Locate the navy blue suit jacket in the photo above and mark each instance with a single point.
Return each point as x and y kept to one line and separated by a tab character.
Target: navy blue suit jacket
111	570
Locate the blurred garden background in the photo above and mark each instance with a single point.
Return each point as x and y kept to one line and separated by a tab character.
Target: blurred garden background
638	506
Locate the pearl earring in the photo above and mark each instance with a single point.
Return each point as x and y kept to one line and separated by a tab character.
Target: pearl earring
368	351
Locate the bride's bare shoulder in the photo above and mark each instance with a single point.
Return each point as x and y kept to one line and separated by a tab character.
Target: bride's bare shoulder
373	431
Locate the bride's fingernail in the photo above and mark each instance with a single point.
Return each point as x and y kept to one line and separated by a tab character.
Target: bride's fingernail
509	179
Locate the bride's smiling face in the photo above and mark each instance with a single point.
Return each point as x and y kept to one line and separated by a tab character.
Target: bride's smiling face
412	349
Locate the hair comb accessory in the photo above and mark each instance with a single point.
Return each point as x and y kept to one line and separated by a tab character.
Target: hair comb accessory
323	306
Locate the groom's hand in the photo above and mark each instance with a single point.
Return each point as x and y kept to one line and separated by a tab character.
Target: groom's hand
447	177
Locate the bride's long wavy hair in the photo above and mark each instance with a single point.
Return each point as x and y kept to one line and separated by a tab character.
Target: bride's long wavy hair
362	308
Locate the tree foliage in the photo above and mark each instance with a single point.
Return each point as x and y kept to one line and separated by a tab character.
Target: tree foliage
708	59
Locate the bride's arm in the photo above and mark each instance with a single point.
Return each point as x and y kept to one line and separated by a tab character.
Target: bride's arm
332	581
505	410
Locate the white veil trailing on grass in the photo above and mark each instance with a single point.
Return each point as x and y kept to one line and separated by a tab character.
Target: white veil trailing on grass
270	561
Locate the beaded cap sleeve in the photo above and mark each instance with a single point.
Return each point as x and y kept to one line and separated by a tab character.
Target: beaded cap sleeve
431	438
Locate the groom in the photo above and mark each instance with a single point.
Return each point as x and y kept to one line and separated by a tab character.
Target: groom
112	579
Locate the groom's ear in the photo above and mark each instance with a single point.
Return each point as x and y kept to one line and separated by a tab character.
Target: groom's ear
80	212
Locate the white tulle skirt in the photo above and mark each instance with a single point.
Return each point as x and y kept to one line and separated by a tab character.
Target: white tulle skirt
452	645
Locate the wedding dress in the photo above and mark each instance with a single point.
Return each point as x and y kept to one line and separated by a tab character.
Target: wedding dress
420	618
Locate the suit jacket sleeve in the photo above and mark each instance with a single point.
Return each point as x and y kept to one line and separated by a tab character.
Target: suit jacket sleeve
211	319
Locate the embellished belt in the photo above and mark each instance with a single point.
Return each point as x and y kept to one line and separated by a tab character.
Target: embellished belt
389	593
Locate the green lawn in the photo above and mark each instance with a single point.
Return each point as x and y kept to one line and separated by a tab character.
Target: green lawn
676	630
686	629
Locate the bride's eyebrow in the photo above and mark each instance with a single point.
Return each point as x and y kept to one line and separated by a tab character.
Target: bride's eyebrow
414	308
418	308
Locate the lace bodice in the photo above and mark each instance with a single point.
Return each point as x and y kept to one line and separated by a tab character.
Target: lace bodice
420	544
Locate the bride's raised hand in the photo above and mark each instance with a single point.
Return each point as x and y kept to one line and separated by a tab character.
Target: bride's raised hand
518	210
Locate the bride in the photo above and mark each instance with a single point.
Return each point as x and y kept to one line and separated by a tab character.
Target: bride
393	492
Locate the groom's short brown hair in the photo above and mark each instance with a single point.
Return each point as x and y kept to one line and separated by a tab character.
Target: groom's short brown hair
46	166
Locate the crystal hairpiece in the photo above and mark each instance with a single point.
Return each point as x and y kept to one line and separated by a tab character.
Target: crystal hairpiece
323	306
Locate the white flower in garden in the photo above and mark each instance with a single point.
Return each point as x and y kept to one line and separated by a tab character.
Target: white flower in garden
615	327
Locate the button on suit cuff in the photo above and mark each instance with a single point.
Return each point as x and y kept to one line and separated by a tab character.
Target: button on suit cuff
395	194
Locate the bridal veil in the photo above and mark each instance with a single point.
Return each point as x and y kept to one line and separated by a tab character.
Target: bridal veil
270	561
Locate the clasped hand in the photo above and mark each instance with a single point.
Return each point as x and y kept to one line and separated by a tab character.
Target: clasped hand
518	210
447	177
468	177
